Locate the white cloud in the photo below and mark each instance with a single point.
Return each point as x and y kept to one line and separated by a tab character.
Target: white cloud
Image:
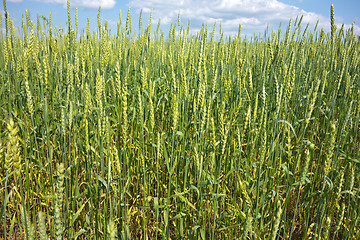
105	4
15	1
253	15
112	22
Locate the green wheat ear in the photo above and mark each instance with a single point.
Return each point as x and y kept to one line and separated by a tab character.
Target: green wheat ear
111	228
59	201
13	156
332	21
28	227
42	226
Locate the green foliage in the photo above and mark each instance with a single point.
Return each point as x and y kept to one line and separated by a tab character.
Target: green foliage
197	136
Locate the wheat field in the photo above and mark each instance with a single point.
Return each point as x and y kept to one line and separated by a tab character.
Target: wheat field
142	134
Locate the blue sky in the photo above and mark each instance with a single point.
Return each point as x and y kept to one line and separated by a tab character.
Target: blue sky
253	15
